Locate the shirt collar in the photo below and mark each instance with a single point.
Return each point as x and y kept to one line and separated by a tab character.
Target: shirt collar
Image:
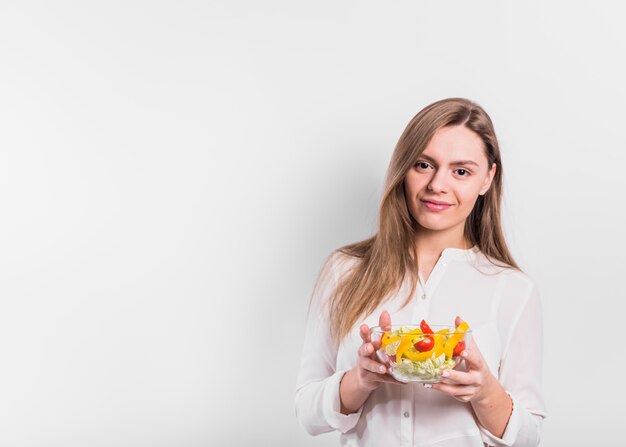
460	253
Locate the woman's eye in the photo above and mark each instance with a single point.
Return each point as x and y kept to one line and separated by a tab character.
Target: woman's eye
462	172
422	165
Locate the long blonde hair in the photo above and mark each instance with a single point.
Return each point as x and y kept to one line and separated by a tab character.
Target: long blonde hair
384	260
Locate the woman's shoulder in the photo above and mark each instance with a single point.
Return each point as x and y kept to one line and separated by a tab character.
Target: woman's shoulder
334	266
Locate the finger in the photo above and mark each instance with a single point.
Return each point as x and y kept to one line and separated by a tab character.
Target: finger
458	321
459	377
473	356
452	389
364	332
372	366
384	321
366	350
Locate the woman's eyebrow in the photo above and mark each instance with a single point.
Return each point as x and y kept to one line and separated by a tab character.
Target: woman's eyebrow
455	163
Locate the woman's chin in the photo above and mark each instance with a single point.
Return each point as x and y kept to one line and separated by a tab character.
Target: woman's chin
435	225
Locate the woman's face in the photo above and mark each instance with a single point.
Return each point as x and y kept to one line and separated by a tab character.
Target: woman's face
449	175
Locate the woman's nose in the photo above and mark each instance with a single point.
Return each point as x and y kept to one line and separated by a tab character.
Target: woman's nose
438	182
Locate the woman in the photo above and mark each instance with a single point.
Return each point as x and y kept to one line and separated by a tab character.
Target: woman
439	254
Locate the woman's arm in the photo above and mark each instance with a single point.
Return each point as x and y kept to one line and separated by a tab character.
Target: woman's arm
520	374
478	386
493	409
317	402
509	409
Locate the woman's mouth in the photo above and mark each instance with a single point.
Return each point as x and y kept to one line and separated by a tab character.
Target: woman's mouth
435	206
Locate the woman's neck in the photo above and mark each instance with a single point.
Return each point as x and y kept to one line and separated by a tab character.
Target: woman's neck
430	244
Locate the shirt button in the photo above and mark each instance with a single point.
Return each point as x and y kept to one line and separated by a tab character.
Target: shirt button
406	414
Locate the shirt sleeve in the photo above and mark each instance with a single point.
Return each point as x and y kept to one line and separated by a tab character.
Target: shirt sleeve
317	402
520	374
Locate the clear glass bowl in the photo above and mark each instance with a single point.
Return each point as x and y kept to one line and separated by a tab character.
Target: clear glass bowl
415	365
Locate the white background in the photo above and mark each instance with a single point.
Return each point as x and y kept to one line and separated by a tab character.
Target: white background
173	175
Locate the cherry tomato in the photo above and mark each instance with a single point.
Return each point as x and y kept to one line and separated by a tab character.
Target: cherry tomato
425	328
425	344
460	346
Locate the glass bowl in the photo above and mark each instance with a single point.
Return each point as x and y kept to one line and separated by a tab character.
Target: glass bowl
411	355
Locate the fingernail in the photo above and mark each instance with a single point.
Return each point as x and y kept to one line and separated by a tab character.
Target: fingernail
464	354
446	374
381	369
427	385
369	348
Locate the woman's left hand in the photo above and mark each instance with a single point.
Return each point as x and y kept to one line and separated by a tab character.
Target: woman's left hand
474	385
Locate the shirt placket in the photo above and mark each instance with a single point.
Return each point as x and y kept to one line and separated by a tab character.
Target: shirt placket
406	417
421	312
425	291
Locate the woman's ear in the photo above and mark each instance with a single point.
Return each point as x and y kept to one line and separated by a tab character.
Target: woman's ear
488	180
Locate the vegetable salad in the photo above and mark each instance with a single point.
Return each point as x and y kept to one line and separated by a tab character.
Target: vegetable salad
422	354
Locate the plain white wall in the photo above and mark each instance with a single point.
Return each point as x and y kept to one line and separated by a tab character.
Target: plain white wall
173	174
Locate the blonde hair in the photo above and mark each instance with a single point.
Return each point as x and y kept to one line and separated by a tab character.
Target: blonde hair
384	260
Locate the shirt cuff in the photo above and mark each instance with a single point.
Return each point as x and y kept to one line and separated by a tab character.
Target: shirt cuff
332	405
510	432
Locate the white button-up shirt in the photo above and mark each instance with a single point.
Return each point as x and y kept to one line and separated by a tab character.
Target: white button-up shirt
502	307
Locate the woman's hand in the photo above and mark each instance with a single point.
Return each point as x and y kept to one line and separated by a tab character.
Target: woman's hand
368	374
474	385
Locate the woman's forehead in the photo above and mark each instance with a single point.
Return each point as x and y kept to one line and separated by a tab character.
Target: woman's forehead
456	145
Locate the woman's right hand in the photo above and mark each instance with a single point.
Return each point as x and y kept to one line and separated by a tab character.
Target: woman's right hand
368	374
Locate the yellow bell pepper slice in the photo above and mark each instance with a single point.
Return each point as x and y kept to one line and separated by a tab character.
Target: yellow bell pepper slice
387	338
405	344
407	349
414	354
455	338
440	340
